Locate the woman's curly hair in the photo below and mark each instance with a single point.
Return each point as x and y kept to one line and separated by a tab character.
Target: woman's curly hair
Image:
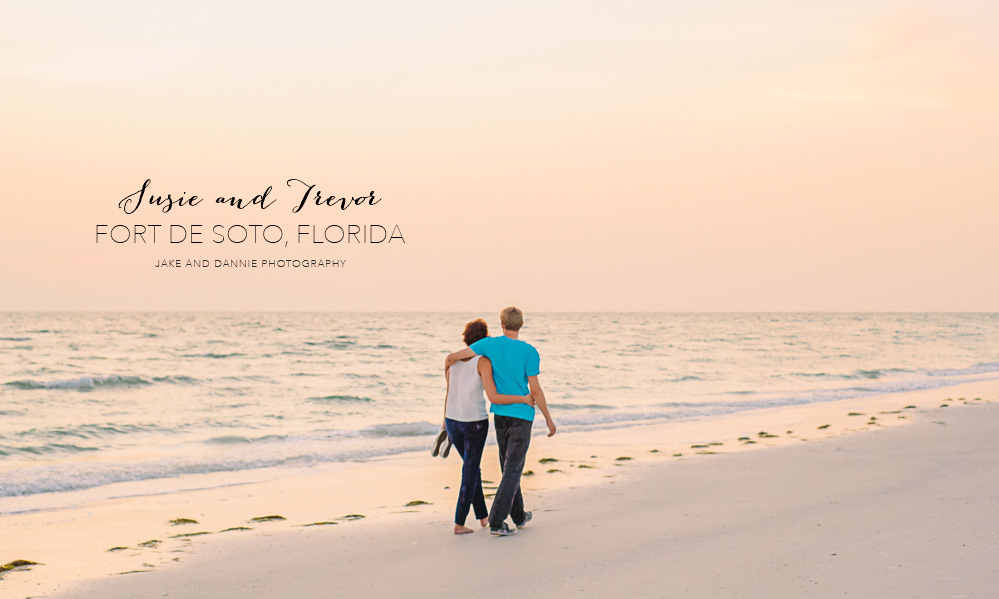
475	330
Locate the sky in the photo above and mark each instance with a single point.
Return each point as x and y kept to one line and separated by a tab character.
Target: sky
560	156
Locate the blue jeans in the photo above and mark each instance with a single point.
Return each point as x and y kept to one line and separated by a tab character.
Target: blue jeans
469	439
513	436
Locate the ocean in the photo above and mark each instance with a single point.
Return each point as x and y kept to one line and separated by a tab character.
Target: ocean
96	402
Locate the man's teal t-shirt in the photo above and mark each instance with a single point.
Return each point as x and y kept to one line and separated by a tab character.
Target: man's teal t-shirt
513	361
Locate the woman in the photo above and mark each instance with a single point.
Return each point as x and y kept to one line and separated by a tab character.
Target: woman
467	422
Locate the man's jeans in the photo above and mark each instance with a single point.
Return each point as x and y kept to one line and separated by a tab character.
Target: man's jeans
469	438
514	437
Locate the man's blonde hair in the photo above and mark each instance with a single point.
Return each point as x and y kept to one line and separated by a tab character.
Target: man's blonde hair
512	318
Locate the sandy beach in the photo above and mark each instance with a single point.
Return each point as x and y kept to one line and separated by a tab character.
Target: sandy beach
888	500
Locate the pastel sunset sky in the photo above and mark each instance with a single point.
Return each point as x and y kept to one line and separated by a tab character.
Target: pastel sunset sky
661	155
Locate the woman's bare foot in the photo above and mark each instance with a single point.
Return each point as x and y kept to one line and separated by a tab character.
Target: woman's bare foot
484	522
462	530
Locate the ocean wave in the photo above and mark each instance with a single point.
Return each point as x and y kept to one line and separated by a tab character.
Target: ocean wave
248	377
85	383
240	439
338	343
876	373
641	347
881	373
15	338
573	406
138	333
90	431
48	448
214	355
859	374
981	368
65	477
703	404
89	383
685	378
403	429
178	379
686	410
614	419
337	398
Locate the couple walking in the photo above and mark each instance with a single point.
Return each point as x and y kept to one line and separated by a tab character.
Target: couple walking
505	369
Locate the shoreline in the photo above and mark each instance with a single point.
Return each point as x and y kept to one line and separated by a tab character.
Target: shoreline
407	490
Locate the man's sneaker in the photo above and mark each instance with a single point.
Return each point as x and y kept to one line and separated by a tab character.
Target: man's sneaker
527	518
502	531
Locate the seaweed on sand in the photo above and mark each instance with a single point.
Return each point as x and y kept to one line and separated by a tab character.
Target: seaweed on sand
270	518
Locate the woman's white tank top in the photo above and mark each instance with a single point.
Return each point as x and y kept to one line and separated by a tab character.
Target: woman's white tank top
466	400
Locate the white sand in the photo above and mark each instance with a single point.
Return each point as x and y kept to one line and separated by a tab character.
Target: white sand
900	511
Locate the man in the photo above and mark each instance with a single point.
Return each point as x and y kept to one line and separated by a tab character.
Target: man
516	366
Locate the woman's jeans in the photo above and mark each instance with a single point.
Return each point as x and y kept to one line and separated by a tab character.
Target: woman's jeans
469	438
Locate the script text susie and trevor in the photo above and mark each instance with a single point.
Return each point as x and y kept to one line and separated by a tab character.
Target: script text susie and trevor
130	203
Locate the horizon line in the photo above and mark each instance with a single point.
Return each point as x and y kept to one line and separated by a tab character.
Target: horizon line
236	311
